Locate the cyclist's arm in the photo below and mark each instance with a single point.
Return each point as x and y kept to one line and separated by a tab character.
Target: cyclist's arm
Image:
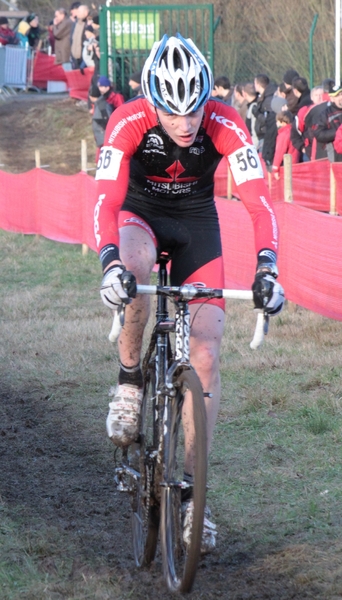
232	139
112	175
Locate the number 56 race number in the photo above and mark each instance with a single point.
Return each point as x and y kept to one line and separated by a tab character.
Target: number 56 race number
245	165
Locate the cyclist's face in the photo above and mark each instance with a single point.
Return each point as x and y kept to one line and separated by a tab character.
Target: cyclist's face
182	130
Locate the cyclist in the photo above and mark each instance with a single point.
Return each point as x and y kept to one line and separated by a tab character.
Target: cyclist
155	193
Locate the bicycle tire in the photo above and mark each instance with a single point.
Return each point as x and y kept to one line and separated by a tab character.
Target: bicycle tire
180	564
145	509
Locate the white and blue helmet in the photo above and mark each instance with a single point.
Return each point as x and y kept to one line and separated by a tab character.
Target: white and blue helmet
176	77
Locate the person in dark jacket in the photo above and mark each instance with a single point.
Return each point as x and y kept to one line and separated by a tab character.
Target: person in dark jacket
34	32
7	35
304	126
265	124
301	90
329	122
291	99
106	103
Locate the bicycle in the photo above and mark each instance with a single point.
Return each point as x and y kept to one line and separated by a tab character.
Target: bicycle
151	469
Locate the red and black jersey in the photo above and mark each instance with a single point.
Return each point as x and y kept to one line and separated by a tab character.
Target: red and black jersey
140	162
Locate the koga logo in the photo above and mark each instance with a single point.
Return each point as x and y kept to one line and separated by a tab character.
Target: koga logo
96	219
154	141
230	125
182	329
196	151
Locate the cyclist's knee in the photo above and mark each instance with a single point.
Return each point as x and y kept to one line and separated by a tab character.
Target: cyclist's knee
205	355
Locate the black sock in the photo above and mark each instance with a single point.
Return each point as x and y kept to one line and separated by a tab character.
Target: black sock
132	375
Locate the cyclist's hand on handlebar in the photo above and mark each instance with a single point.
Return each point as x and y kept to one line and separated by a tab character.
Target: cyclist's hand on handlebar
117	287
267	292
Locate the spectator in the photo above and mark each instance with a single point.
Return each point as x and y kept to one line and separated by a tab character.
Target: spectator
78	36
135	83
283	142
96	23
88	44
35	32
327	85
73	11
239	102
222	89
316	94
94	92
265	124
291	99
328	122
304	125
104	106
22	31
250	95
61	31
7	35
301	90
278	103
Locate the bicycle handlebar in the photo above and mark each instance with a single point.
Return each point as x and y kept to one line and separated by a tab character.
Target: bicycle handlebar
189	292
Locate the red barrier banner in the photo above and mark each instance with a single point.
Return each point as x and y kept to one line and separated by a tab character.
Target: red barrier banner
310	185
45	69
61	208
79	83
337	171
58	207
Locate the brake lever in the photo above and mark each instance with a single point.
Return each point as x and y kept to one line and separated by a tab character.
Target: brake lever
118	323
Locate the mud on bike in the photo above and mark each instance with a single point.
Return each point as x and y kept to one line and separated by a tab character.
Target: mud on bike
151	469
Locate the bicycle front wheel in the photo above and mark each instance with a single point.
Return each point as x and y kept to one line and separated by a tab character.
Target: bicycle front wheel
145	507
180	561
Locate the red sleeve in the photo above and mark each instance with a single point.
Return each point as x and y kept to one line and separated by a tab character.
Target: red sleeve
338	140
124	132
232	139
115	99
300	117
282	146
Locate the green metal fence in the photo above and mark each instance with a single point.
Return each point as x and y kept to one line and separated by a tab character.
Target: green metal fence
127	34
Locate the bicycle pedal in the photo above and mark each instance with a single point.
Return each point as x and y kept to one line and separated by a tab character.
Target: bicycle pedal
120	481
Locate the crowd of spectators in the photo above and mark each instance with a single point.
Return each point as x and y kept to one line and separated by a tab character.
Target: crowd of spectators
288	118
282	118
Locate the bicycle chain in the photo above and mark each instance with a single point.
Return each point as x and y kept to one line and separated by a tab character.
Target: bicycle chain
148	494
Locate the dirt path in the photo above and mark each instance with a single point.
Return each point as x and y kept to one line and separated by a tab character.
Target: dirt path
54	124
67	487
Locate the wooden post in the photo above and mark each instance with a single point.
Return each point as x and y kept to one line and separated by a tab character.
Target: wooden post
84	161
288	195
37	158
332	210
229	183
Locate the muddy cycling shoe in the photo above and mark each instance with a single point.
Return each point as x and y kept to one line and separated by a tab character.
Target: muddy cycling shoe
124	414
209	529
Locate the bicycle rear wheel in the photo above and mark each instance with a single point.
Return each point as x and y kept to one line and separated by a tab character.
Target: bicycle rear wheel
145	508
180	562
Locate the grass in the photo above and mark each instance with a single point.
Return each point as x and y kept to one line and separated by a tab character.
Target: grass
275	466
